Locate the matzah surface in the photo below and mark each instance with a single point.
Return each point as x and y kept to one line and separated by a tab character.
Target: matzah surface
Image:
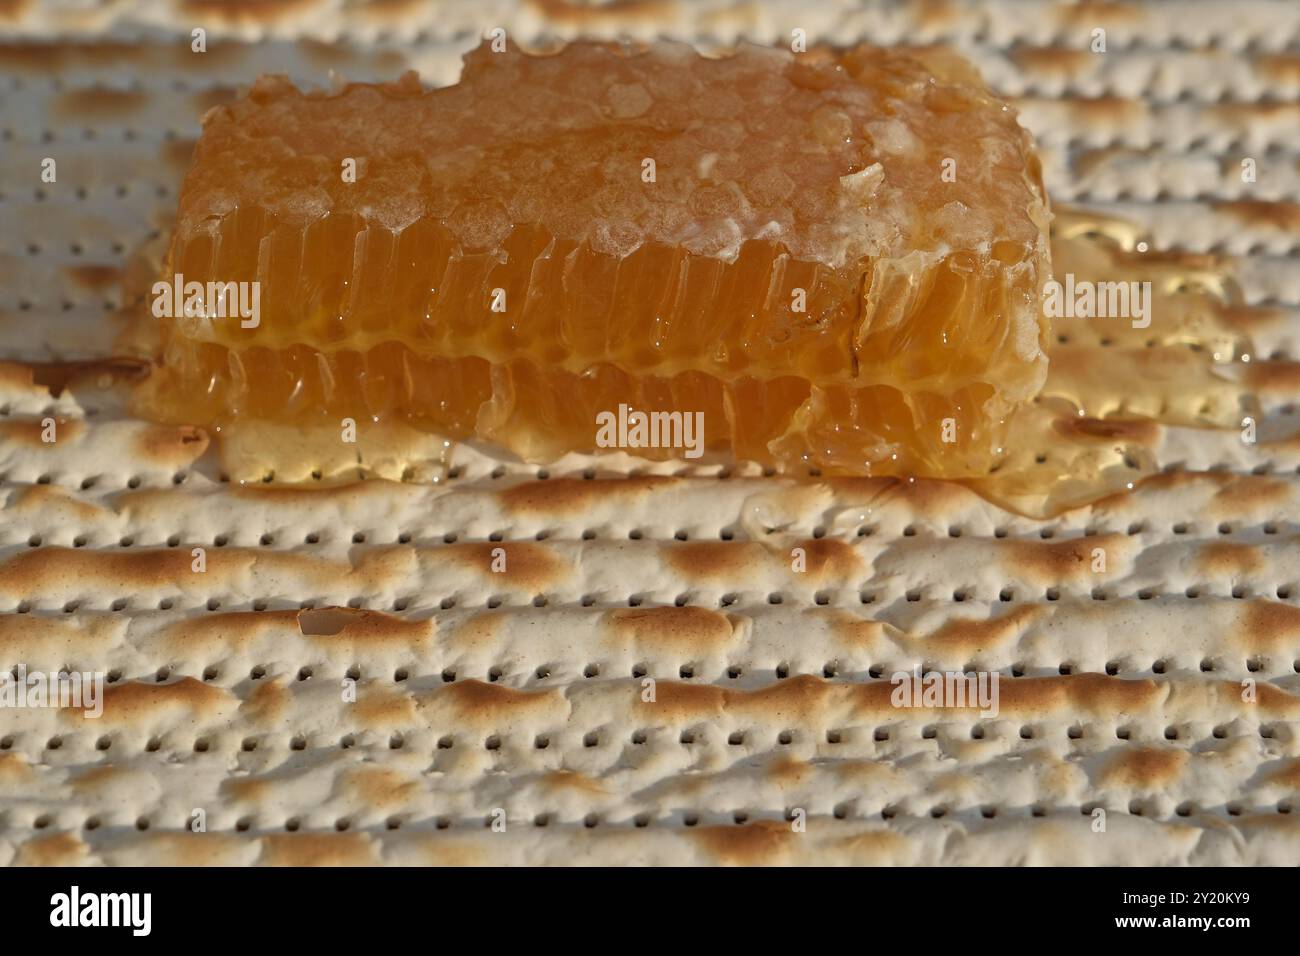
484	696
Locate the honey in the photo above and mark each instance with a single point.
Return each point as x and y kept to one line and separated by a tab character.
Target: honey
836	257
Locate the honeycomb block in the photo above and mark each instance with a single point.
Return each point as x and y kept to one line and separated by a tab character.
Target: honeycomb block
836	256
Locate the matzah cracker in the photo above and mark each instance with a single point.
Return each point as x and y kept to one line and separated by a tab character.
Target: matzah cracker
515	697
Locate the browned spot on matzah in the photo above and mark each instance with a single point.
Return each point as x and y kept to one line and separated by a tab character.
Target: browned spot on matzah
390	8
46	499
317	849
17	376
852	631
937	13
1273	378
1104	110
330	625
1244	494
14	767
87	104
1094	14
379	787
20	54
482	703
1248	318
1283	67
382	709
1053	60
227	631
671	629
1287	775
28	432
438	850
1148	768
29	636
875	847
528	564
44	569
247	10
57	849
186	698
1062	562
1094	694
677	702
799	700
761	842
94	778
586	14
478	630
171	444
1223	558
1248	116
1273	700
94	277
788	771
1174	480
193	849
564	496
1281	214
1266	625
12	9
715	560
267	702
973	634
248	790
830	559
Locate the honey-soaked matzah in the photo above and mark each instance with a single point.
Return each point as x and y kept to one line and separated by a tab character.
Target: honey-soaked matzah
406	651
